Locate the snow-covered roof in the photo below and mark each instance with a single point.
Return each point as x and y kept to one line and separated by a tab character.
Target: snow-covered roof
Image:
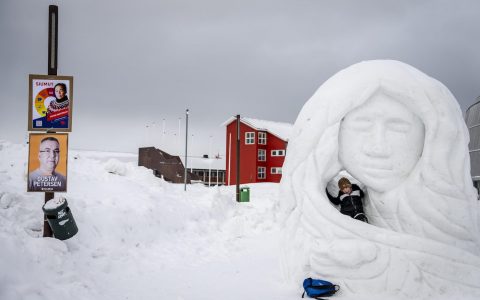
282	130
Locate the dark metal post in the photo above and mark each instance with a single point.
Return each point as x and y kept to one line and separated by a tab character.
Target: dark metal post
47	231
52	70
186	147
238	158
52	39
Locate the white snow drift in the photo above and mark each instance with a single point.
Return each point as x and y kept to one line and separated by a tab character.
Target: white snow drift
139	237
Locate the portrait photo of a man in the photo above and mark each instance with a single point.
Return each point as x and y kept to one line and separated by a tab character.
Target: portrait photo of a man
47	163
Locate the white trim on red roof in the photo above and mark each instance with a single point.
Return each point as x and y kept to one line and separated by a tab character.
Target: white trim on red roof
281	130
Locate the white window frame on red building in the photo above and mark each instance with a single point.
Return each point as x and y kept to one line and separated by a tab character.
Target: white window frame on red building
276	170
249	138
261	173
262	138
279	152
262	155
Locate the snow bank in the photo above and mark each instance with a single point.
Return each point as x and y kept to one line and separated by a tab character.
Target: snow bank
412	157
115	166
139	236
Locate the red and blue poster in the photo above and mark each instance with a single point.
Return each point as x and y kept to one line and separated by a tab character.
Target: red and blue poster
50	103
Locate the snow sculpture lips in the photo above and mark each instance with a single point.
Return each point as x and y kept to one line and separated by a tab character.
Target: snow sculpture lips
380	142
400	133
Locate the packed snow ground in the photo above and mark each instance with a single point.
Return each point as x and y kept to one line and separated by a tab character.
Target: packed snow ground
139	236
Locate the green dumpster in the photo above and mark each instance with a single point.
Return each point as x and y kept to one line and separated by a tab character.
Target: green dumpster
60	218
244	194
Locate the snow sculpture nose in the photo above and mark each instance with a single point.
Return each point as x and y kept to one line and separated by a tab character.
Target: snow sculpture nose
376	144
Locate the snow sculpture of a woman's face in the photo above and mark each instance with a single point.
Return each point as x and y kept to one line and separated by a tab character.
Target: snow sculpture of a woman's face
380	142
400	133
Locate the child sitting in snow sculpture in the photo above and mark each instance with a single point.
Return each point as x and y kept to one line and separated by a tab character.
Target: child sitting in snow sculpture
350	199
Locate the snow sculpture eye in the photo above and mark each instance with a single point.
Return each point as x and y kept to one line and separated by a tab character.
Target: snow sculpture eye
380	142
361	123
399	125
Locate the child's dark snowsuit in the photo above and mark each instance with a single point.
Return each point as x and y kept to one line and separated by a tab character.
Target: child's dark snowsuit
350	204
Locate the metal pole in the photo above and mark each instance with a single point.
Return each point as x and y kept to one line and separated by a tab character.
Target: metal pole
210	161
238	158
52	39
163	134
186	147
152	134
229	157
52	70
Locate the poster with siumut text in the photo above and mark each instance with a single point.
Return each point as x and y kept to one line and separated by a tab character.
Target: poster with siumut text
50	103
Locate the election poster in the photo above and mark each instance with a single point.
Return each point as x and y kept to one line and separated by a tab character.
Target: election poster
47	162
50	103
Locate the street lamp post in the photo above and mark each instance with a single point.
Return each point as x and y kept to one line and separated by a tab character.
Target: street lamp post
186	147
163	134
209	161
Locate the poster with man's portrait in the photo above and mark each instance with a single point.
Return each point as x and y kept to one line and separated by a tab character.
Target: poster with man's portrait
47	162
50	103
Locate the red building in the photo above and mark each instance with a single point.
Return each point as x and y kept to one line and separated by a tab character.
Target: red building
263	146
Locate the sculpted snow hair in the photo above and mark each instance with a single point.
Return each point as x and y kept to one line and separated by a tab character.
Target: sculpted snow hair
420	200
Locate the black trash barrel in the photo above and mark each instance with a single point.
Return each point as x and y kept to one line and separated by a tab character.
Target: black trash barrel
60	218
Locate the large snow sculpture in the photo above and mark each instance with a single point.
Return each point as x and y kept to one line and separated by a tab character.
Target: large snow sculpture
402	135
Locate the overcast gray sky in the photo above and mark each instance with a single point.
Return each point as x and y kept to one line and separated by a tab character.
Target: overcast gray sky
136	63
